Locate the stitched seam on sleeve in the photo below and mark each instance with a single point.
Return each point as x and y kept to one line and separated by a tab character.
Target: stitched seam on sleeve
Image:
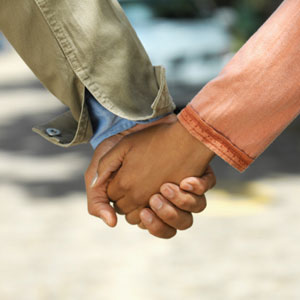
70	55
210	135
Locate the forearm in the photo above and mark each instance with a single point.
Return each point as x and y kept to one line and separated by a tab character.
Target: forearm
72	45
255	97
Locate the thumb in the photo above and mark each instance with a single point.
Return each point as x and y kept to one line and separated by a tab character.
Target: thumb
110	163
99	206
98	201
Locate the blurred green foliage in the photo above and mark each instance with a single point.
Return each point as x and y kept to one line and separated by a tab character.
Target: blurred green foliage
186	8
251	14
182	8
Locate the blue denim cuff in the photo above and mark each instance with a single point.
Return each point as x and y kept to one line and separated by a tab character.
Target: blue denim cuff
106	124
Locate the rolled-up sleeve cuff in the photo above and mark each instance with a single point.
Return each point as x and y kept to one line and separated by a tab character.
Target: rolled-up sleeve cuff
214	140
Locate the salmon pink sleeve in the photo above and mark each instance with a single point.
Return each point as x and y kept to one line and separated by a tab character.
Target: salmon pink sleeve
255	97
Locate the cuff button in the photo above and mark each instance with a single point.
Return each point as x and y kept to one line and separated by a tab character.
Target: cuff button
53	132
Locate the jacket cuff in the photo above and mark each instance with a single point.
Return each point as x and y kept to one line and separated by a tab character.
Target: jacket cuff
70	132
65	131
214	140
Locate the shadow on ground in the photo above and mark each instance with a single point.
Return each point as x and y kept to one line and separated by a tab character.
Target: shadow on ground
25	85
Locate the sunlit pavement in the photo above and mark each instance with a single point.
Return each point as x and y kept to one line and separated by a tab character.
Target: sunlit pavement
244	246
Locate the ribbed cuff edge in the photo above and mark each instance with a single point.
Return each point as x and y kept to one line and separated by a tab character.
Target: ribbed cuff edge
214	140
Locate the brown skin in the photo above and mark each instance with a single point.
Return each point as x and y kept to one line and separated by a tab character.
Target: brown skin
175	213
142	162
176	208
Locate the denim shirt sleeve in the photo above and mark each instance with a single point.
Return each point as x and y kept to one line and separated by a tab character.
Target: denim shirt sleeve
106	124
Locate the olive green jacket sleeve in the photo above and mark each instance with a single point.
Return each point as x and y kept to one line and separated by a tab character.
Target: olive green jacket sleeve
71	45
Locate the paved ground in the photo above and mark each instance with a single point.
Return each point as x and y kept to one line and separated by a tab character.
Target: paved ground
244	246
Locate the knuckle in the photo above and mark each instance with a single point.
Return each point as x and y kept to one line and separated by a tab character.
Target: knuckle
125	207
91	210
187	223
124	184
142	226
201	206
169	235
111	192
138	198
163	233
134	195
170	216
133	220
201	189
101	164
185	202
118	209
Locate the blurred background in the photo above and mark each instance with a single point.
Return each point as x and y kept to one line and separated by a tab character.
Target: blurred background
244	246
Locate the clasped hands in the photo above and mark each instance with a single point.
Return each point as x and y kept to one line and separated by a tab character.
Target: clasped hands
156	174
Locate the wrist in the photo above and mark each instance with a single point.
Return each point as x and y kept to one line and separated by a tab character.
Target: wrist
192	146
169	119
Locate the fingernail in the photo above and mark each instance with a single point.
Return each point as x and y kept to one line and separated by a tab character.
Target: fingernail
168	192
94	180
188	187
156	203
147	217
